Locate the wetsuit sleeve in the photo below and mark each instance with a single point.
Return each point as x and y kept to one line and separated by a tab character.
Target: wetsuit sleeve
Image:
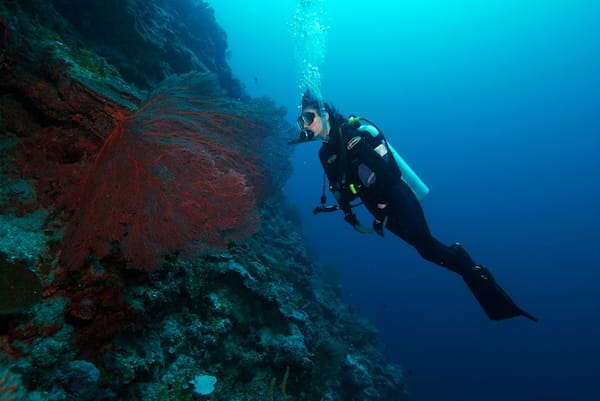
342	195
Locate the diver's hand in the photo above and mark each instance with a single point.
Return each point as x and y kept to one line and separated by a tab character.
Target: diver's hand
381	218
379	225
351	219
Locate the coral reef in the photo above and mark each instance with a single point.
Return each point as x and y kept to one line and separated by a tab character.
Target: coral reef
184	172
147	40
145	241
10	386
20	288
5	32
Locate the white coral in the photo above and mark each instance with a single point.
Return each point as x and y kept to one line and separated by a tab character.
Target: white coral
21	238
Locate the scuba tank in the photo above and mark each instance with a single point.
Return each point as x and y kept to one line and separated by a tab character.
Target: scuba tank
407	173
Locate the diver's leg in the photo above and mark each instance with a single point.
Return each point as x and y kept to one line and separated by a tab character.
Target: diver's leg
407	221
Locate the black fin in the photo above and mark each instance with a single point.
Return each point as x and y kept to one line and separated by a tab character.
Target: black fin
493	299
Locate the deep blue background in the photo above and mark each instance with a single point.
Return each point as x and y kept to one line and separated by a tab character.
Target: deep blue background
496	105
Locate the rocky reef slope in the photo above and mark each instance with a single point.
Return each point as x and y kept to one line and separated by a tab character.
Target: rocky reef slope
146	249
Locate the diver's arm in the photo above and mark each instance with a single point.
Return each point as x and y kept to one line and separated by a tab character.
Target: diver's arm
343	196
340	192
332	171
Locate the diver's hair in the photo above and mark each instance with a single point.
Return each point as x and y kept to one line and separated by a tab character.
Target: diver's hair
334	115
308	100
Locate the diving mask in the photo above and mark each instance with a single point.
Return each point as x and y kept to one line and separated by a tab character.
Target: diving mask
306	118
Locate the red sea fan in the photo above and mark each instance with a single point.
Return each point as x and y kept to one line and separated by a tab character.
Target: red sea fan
182	174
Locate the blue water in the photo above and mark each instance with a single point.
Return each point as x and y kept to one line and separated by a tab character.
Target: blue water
496	105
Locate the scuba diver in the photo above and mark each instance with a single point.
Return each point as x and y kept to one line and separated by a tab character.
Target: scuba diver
359	163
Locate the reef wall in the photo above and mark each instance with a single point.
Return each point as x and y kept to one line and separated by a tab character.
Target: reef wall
145	244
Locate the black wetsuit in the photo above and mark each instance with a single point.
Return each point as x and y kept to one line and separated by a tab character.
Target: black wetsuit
350	159
359	164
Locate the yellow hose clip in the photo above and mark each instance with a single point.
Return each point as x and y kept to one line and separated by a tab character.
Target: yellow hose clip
353	120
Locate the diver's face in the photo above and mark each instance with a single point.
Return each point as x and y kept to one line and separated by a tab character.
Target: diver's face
312	121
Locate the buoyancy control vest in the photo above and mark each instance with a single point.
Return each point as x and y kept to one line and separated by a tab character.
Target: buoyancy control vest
381	146
384	149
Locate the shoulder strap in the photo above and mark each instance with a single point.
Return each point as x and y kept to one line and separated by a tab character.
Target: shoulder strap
343	156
